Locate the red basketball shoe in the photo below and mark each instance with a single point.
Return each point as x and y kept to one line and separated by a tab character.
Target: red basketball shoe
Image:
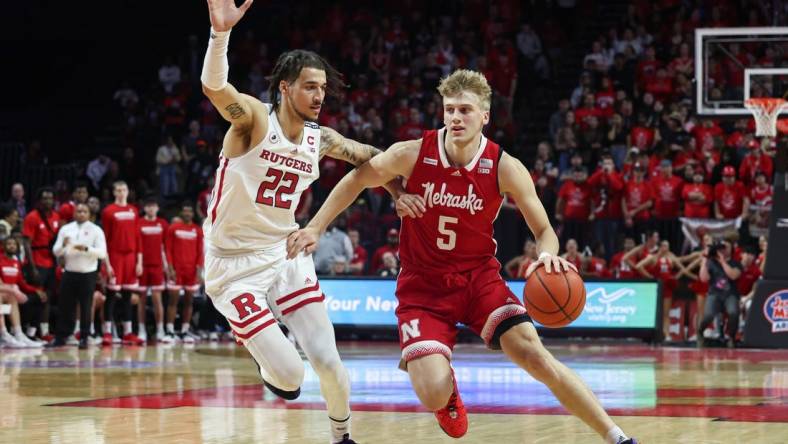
453	419
132	339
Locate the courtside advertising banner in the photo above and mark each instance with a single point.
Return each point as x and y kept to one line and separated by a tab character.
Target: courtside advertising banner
609	305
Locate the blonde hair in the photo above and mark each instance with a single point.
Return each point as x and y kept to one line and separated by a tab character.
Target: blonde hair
463	80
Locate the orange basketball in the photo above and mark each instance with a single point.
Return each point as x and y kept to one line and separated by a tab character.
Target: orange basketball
554	299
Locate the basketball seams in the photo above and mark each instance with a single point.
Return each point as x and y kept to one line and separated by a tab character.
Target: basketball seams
555	301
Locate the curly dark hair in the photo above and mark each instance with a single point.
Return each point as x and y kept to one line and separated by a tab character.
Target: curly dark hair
289	65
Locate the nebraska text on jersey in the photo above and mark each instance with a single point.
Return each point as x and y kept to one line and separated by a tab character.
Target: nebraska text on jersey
470	201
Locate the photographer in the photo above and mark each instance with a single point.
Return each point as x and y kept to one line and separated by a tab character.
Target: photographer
721	273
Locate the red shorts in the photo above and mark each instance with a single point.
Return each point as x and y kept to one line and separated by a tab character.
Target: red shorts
185	278
124	265
152	278
431	306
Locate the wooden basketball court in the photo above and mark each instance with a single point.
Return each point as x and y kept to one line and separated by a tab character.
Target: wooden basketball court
211	394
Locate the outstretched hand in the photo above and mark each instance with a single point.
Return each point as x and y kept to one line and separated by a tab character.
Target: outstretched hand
224	14
305	239
550	263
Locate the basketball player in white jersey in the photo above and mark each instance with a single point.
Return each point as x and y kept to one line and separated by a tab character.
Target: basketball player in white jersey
270	155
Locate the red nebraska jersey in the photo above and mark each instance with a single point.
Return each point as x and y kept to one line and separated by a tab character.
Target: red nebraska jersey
11	273
41	232
620	268
730	199
456	232
150	240
120	228
183	245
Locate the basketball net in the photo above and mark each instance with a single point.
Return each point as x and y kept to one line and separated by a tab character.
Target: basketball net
765	111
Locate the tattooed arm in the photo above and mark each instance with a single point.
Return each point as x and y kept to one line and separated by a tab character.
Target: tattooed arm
333	144
232	105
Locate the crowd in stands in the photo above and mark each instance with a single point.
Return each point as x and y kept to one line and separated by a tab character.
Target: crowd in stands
624	154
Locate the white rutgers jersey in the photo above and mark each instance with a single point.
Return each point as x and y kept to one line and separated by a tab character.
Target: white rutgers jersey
255	197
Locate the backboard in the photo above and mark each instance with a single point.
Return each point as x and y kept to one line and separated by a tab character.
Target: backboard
735	64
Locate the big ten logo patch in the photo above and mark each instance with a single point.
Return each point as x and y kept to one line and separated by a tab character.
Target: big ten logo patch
245	305
410	330
775	309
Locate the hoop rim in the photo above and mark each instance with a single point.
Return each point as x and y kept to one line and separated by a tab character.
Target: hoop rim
765	102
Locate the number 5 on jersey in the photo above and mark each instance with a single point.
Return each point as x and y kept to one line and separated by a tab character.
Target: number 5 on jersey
450	241
279	187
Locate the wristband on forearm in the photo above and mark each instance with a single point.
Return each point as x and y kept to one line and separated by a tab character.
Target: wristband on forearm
215	68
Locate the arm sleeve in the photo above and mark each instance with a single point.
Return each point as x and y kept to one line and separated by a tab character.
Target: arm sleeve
24	286
29	227
99	248
58	249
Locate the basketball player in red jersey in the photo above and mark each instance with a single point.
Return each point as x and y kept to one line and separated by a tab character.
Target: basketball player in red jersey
119	220
449	272
151	230
184	248
269	157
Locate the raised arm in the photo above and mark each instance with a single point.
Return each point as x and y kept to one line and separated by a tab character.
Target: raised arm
514	179
333	144
232	105
381	169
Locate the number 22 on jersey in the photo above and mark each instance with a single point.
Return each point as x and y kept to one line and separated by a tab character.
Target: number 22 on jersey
450	240
283	183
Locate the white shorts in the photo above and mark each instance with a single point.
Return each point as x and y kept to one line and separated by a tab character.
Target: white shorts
253	291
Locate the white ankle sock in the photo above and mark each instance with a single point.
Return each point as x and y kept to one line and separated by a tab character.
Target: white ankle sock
616	435
126	327
160	329
170	328
107	328
339	429
44	328
17	330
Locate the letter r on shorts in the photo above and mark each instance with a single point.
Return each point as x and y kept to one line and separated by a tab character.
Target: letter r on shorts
245	305
410	330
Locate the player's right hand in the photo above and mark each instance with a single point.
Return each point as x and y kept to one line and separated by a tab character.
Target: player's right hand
224	14
305	239
410	205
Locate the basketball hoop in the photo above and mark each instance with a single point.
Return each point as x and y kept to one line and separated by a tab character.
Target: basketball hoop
765	111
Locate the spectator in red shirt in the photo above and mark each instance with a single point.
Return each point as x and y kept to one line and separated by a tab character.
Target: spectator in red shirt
119	221
661	86
642	136
40	229
596	265
359	261
750	274
636	203
513	266
730	197
184	248
667	203
607	186
78	196
392	246
573	207
151	231
572	254
704	134
697	197
620	268
756	160
760	202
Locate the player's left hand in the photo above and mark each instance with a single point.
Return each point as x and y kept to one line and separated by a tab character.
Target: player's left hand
410	205
305	239
551	263
138	269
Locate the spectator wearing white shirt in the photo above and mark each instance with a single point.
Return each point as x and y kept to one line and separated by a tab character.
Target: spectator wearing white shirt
80	244
169	75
